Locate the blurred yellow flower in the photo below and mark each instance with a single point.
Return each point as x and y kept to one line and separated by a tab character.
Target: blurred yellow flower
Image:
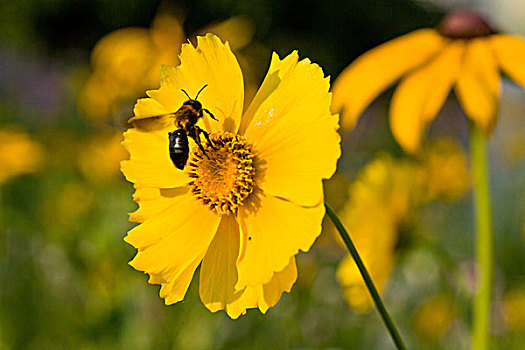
246	208
514	309
100	157
464	53
375	241
18	154
383	198
69	204
73	201
445	166
434	316
126	62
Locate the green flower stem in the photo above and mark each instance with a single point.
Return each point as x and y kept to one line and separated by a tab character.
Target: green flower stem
484	240
368	280
2	223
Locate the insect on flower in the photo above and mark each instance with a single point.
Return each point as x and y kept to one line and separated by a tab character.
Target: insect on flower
243	209
186	118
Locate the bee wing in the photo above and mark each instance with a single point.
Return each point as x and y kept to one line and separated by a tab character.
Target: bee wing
185	113
160	122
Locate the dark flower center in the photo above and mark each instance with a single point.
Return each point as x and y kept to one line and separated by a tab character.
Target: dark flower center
464	25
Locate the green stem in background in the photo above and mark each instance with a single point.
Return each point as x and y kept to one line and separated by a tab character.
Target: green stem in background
367	279
2	215
484	240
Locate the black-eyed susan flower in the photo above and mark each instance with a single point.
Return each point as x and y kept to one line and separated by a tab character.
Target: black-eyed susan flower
18	154
246	207
463	54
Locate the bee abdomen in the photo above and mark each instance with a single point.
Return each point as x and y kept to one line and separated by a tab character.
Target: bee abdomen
179	148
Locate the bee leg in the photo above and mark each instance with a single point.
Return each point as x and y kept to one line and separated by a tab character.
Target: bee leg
202	149
211	115
196	136
207	136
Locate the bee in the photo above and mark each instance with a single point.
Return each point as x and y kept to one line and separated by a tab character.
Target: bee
186	119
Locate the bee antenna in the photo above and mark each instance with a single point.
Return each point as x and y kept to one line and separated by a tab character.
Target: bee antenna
202	88
186	94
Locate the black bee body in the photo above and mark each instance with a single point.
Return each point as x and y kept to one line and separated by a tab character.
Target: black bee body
179	148
188	114
186	119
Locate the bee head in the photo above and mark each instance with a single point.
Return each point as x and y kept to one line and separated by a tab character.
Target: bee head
193	103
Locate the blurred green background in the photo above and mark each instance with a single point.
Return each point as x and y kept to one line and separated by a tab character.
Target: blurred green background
64	278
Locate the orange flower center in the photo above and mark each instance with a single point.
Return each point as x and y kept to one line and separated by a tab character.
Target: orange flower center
223	177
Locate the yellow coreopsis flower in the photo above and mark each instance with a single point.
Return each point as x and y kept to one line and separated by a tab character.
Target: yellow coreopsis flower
246	207
18	154
463	54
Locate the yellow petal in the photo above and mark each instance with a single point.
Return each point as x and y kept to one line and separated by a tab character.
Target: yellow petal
152	200
211	63
281	281
150	113
170	94
218	276
294	169
147	108
420	96
510	53
150	163
276	73
371	73
478	84
169	242
265	296
272	231
293	132
174	290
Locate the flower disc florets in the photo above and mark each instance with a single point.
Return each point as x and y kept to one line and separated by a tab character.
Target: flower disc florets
224	176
